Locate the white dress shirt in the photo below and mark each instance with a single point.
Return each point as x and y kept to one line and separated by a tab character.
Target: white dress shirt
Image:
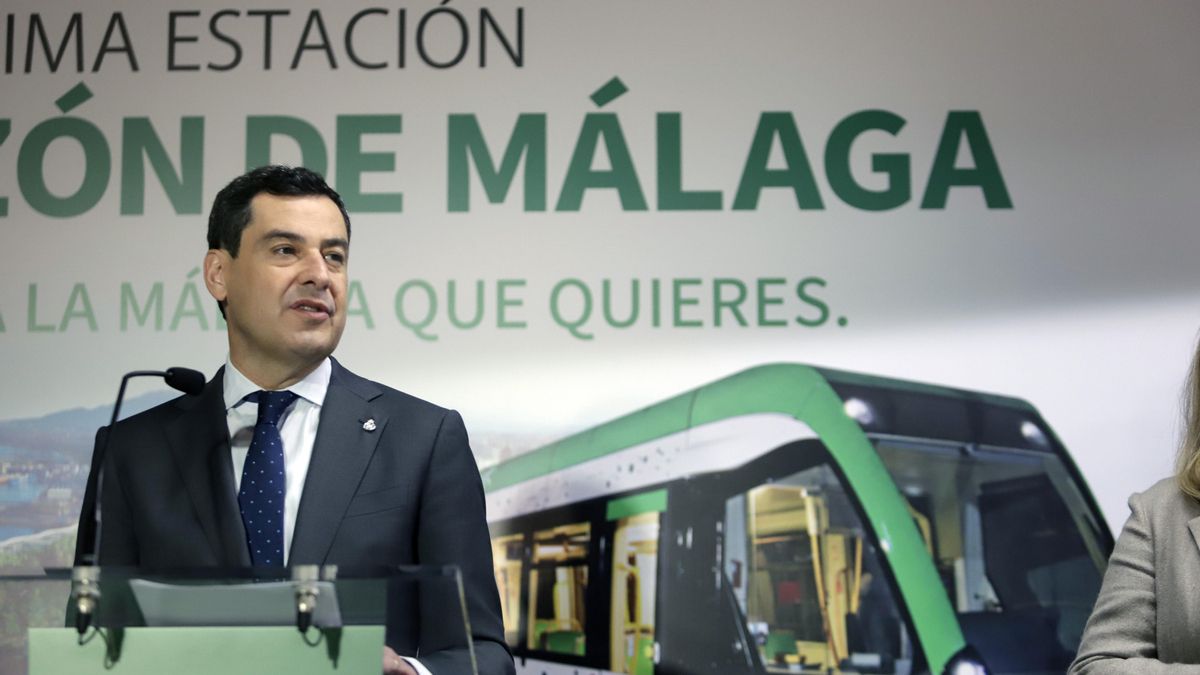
297	428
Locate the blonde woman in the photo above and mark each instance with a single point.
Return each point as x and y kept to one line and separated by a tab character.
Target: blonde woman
1147	618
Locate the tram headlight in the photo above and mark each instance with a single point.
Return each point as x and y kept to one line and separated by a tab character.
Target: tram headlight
966	661
859	411
1034	435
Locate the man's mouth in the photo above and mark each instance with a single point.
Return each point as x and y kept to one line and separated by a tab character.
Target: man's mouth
315	308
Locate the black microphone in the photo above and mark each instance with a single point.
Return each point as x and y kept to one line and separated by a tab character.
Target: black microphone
190	382
85	592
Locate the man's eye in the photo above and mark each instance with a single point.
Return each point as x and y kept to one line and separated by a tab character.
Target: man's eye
283	250
336	257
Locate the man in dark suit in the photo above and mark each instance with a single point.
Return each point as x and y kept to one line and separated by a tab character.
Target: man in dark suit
286	457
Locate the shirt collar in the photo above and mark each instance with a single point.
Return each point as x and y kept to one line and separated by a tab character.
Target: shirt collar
312	388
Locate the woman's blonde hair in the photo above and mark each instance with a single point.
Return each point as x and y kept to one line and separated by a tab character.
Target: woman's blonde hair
1188	473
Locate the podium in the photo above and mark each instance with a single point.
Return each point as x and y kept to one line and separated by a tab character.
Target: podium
229	622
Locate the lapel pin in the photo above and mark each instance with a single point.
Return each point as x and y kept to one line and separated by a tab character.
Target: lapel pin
369	425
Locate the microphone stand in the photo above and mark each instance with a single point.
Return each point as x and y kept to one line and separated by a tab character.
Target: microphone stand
85	578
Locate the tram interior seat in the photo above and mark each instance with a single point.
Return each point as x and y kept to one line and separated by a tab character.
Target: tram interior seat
780	644
563	642
1018	640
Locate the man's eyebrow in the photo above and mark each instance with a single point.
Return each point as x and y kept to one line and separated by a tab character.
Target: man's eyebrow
298	238
282	234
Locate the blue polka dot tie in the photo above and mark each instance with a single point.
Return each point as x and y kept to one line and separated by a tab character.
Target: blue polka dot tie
263	480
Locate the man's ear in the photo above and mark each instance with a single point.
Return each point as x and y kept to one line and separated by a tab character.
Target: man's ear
216	264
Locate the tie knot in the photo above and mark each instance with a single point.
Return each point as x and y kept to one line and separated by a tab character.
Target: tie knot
271	404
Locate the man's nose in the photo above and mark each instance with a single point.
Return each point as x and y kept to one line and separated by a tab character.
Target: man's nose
316	270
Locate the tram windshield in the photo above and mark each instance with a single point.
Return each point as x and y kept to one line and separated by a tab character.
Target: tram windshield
807	577
1014	544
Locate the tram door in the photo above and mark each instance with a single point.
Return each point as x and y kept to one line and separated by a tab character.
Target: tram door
636	525
701	629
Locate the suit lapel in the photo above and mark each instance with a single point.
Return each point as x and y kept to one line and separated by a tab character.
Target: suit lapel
199	443
1194	526
341	453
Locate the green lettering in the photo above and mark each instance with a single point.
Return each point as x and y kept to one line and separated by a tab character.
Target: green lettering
679	302
608	305
31	323
765	300
5	129
655	303
79	306
581	176
985	174
821	307
353	292
585	313
154	303
189	305
466	145
417	327
139	141
671	195
796	174
452	305
260	129
503	302
353	162
97	166
733	305
894	166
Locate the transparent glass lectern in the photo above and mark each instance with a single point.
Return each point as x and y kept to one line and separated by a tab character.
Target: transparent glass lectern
222	622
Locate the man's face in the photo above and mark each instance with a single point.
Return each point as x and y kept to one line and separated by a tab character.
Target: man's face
285	292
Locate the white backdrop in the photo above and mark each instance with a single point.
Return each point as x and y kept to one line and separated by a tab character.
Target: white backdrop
1081	297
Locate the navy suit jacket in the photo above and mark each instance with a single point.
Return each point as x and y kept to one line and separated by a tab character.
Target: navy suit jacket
407	492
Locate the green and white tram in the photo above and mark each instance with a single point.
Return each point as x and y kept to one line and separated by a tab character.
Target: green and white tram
794	519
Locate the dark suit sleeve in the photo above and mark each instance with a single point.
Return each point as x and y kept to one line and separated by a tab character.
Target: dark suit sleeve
452	529
117	548
85	532
116	545
118	542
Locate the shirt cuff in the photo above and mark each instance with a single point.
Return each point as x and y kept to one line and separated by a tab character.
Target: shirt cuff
421	670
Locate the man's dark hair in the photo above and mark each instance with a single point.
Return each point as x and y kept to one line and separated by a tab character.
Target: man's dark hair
231	209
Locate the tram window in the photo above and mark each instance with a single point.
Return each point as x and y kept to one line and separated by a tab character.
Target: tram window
507	553
808	580
1012	540
557	589
634	580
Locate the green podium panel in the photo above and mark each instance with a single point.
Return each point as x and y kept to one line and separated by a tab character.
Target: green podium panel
207	651
226	621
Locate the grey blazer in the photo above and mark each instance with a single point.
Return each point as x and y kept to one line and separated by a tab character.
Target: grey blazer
1147	618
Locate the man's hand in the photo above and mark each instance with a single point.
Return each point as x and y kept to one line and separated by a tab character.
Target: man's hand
394	665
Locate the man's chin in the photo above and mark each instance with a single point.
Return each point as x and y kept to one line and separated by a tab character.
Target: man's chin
312	353
315	347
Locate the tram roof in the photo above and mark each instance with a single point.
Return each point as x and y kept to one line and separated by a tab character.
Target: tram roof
786	388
